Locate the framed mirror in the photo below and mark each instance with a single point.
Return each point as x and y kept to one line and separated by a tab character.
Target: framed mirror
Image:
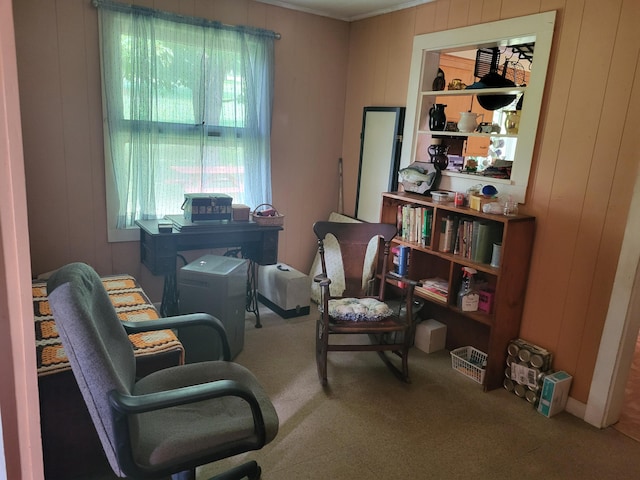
380	147
499	156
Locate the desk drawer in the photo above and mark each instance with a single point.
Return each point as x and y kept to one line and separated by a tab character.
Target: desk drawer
268	250
159	254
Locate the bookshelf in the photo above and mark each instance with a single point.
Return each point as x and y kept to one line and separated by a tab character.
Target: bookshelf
490	331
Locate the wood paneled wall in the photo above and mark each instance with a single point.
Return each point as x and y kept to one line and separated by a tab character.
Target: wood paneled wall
59	72
585	161
326	71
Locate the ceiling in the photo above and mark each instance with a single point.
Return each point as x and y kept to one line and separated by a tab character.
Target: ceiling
347	10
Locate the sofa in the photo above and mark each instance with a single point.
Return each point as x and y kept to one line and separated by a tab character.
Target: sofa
71	448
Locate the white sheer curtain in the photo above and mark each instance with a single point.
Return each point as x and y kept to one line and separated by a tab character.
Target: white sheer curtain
187	107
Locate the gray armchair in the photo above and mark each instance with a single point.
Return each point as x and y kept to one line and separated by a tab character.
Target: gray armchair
172	420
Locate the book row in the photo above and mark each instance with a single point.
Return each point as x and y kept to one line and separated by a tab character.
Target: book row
469	237
414	224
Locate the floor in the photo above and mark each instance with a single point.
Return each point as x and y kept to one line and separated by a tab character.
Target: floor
368	425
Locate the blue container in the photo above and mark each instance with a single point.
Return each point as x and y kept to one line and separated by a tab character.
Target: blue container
403	260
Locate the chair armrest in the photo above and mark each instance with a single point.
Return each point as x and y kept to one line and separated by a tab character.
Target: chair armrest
322	279
123	406
181	322
402	279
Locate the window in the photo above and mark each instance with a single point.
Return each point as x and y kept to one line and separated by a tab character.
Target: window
187	109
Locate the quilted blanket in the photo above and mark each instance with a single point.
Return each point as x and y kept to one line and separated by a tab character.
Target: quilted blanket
131	304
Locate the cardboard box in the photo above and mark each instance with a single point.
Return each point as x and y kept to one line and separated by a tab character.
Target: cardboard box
485	303
477	201
554	394
431	336
240	212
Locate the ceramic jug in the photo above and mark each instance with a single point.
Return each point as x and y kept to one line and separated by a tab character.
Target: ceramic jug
469	121
437	117
438	155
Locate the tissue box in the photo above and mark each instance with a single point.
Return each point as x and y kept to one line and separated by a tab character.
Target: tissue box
284	290
555	391
476	202
430	336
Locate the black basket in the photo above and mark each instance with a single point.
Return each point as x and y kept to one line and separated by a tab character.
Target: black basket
487	61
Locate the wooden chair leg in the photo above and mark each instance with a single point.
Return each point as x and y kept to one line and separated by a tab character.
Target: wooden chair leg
321	351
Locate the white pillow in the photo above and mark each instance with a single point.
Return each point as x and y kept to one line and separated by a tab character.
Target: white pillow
359	309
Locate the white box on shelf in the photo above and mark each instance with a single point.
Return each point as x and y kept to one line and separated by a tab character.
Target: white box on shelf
555	391
431	336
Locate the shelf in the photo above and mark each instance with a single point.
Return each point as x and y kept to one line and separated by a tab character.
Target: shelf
441	133
450	257
475	91
488	332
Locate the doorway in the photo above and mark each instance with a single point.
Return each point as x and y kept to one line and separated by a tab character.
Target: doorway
629	422
618	344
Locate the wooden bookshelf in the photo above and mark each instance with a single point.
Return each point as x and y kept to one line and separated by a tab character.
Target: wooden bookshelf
488	332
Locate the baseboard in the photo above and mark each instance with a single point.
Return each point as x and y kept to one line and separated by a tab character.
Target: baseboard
576	408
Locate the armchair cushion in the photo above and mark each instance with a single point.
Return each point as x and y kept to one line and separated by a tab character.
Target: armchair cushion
358	309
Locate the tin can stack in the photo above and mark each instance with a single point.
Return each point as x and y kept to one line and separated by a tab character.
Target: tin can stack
526	366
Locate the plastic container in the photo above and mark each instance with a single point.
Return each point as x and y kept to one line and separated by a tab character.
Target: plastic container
469	361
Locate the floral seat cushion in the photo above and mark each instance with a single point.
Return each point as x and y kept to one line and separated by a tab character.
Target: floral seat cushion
359	309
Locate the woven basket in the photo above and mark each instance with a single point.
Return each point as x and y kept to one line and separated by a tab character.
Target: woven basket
275	220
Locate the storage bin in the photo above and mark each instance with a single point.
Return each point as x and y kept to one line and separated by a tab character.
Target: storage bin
284	290
469	361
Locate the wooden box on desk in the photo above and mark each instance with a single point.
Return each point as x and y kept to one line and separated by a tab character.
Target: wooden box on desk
240	212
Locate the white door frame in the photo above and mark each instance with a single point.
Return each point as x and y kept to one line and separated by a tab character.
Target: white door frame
620	332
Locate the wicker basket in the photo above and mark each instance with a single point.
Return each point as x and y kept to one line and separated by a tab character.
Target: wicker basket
470	362
274	220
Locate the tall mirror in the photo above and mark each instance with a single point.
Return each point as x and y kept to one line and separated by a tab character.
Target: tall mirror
380	146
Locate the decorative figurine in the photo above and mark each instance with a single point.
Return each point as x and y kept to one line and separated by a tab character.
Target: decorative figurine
438	82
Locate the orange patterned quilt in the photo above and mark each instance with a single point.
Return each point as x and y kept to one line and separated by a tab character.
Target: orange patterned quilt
131	304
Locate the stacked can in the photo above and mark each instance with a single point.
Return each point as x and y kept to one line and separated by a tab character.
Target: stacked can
527	365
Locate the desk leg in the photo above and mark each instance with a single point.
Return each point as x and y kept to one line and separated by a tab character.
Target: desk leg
169	306
252	291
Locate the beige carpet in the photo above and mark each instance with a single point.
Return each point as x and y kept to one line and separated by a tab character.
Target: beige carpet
368	425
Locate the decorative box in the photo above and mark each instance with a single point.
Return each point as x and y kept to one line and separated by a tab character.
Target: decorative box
240	212
206	206
485	303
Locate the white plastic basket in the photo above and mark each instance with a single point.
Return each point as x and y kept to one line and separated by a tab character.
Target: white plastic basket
470	362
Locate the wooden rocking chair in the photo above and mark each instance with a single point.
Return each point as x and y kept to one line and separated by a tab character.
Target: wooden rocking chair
357	307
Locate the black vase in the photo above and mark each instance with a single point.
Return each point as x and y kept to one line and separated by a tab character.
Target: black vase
437	117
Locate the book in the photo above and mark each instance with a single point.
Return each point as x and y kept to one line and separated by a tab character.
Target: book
449	234
436	288
488	233
426	228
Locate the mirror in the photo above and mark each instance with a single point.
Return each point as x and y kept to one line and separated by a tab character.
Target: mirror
496	156
380	145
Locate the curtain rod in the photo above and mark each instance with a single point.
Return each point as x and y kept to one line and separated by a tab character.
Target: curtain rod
122	7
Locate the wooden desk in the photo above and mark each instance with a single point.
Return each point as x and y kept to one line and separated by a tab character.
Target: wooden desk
158	252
